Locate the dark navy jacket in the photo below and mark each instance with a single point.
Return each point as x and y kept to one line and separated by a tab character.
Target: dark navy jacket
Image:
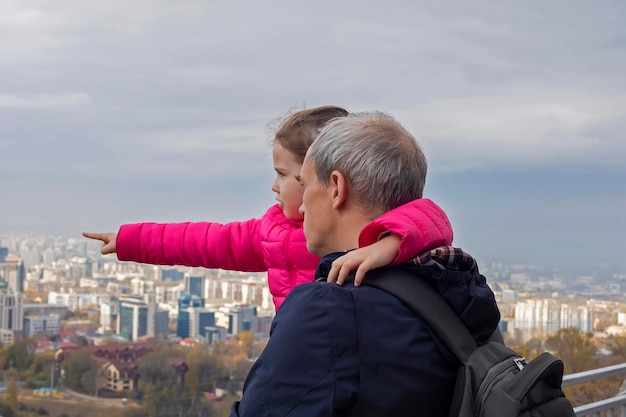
358	351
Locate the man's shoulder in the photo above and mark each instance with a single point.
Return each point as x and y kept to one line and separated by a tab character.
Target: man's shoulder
318	291
333	298
322	288
320	298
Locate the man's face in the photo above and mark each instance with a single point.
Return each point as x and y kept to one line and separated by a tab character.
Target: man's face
315	207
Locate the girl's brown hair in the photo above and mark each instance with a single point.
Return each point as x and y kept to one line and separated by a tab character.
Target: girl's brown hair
298	130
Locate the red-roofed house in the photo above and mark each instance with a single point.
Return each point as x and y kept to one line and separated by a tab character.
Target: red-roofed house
44	345
188	342
212	397
121	376
120	362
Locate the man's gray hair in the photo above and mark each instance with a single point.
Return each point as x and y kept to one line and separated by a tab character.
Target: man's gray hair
381	161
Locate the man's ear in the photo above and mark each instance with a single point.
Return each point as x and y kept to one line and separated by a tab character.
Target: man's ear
339	189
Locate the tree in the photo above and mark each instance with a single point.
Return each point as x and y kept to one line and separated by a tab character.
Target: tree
21	354
81	371
529	350
12	389
577	351
229	354
246	338
204	370
109	340
574	348
617	345
4	357
255	350
242	367
6	411
68	315
154	369
79	340
39	371
158	382
30	294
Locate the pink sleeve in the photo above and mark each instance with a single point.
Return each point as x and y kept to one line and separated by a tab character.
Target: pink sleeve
233	246
421	224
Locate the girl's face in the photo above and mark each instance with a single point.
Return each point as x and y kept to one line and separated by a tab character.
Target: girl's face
287	185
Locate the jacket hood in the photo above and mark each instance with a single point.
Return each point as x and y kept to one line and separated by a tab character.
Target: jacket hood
454	274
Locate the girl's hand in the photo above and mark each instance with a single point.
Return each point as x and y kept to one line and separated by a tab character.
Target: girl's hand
378	254
107	239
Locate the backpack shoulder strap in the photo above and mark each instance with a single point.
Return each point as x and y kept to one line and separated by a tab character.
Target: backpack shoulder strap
428	304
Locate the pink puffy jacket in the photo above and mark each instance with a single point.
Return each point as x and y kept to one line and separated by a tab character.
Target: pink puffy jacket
272	243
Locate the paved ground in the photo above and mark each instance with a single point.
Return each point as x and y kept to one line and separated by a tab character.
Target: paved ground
74	404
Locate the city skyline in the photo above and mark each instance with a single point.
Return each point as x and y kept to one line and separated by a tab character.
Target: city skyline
156	111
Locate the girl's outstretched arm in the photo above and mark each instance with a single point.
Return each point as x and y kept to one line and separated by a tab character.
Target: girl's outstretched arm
233	246
395	237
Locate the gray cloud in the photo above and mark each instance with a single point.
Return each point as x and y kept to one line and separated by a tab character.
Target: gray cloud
530	129
117	97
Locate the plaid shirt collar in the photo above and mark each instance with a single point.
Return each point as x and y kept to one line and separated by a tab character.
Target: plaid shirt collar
447	258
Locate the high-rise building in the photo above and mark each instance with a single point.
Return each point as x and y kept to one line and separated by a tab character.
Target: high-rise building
108	315
542	317
75	301
13	273
31	257
44	309
242	318
133	317
80	267
214	334
173	274
264	324
240	288
185	302
150	300
194	285
200	318
139	317
182	323
139	286
41	325
11	314
48	257
162	324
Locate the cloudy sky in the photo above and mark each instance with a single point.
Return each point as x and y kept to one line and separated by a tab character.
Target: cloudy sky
161	110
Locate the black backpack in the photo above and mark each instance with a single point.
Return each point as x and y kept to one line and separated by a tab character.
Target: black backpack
493	380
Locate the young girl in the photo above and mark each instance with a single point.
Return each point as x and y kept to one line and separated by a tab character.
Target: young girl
275	242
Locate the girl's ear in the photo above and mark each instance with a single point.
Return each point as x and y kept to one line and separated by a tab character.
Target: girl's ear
339	189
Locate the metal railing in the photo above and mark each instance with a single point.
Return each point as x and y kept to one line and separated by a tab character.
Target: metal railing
610	405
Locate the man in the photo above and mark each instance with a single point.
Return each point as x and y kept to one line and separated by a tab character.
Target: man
358	351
